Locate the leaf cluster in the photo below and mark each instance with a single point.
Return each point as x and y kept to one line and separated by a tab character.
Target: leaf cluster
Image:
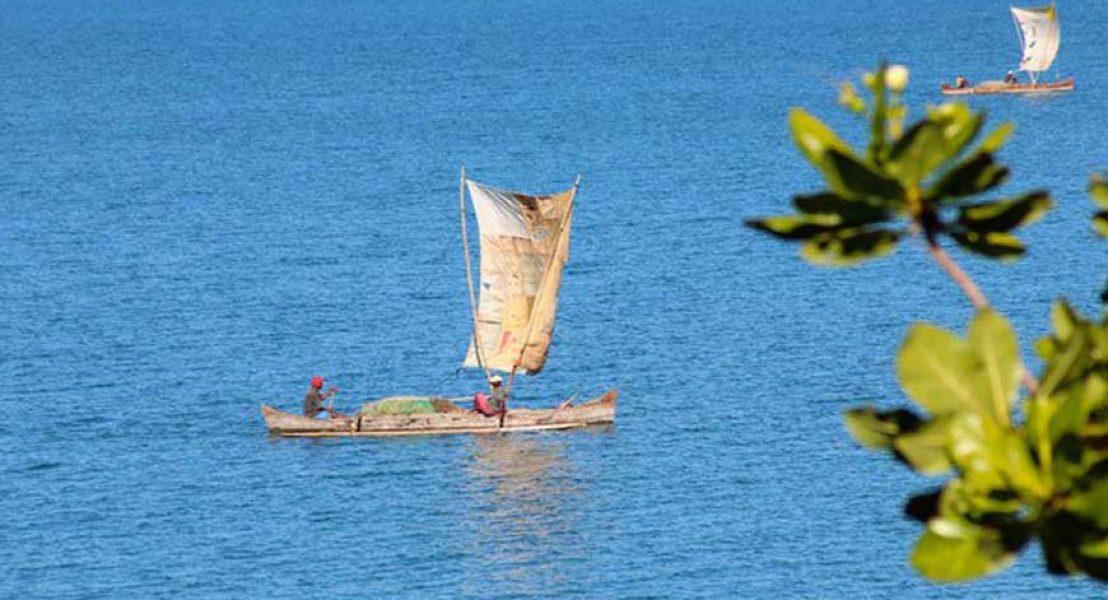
1009	483
918	180
1016	469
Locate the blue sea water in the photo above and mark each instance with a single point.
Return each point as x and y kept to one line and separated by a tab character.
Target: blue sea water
206	202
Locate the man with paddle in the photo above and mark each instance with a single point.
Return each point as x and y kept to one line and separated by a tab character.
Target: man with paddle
313	400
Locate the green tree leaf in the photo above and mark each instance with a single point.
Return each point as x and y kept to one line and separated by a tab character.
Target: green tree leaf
1100	223
795	227
959	126
851	178
848	247
849	212
998	349
813	137
1064	413
1005	215
1019	469
1098	548
927	449
919	152
1064	319
1001	246
1070	360
1075	405
876	429
1098	190
978	454
1045	347
996	139
1091	504
1092	558
959	551
933	141
975	175
941	372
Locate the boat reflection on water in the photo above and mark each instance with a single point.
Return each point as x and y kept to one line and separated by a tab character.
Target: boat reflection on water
525	507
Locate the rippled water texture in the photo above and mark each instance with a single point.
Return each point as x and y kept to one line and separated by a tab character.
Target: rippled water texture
207	202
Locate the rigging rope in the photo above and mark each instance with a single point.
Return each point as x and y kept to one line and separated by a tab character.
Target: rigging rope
469	277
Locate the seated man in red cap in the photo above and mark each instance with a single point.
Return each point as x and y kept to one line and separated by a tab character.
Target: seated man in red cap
313	400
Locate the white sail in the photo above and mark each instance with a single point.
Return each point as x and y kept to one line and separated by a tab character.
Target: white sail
1040	35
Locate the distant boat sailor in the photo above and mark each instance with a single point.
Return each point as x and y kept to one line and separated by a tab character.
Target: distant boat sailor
313	400
961	82
492	404
1011	78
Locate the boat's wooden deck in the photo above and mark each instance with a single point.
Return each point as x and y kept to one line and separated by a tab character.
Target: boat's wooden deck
598	411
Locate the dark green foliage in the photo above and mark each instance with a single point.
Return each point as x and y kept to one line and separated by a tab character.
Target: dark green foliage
906	183
1007	479
1004	215
1098	189
1008	483
986	243
976	175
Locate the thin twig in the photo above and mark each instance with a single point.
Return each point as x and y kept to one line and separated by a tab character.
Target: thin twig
958	275
976	297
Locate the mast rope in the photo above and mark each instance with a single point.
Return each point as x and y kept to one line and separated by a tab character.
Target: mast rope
469	277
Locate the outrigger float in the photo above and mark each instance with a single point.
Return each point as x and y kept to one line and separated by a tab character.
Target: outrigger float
524	247
1040	35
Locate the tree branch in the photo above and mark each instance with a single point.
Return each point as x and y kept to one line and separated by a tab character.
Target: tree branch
975	296
957	274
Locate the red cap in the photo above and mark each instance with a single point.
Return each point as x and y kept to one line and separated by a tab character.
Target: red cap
317	381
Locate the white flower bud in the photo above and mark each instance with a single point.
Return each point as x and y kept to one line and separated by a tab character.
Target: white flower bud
896	78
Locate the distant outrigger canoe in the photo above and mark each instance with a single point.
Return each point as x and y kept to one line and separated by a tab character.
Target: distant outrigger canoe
1040	35
999	87
524	248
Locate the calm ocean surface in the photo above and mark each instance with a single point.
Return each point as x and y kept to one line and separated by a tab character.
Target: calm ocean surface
206	202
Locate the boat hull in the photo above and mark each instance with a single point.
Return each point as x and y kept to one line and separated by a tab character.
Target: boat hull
1065	85
598	411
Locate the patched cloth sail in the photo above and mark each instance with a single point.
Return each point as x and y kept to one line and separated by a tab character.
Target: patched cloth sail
1040	35
524	247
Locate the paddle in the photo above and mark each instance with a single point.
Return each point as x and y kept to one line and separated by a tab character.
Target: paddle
564	405
331	405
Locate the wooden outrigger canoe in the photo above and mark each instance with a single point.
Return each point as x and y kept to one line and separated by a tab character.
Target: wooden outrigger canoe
525	240
598	411
999	87
1040	36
